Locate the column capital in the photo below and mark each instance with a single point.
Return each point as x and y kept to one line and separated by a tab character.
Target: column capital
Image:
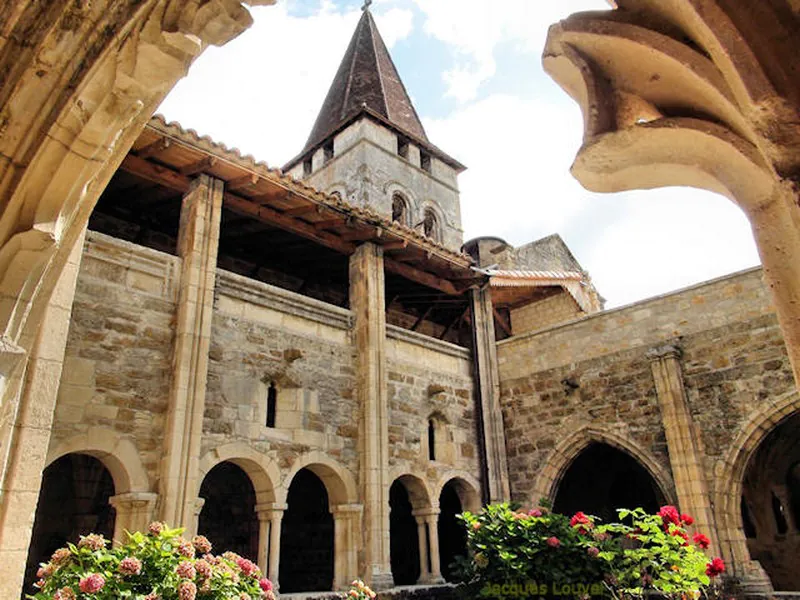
197	506
426	512
133	500
664	352
345	510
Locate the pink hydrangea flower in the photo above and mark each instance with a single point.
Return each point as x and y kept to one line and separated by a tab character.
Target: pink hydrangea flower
155	528
534	512
93	541
185	570
248	567
265	584
185	548
45	571
553	542
201	544
152	596
64	593
203	568
61	556
130	566
187	590
91	584
593	551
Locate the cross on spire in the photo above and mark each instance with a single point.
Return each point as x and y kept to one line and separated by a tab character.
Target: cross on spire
367	4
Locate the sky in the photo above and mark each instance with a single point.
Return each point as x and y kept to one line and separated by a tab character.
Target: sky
473	70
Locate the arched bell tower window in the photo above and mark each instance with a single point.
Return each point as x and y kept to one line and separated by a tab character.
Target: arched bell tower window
272	403
430	225
399	209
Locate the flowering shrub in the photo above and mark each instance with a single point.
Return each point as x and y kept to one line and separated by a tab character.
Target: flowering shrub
158	565
359	591
538	553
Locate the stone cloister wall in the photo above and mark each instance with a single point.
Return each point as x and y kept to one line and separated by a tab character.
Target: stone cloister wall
115	394
672	381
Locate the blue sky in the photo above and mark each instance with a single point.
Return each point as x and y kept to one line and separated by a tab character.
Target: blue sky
473	70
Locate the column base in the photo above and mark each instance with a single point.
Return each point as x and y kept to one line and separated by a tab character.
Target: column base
429	579
380	580
754	582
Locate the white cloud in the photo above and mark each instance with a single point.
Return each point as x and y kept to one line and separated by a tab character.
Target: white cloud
475	28
634	245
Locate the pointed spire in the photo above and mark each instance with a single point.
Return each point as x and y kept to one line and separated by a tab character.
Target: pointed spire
367	80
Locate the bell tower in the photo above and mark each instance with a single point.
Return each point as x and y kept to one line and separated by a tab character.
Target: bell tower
369	146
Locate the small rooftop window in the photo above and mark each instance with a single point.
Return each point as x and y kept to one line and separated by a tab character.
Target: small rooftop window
307	166
402	146
425	161
328	150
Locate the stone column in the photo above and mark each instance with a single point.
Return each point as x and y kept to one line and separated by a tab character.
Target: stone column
347	530
28	429
432	519
489	389
134	513
198	242
270	516
193	524
422	528
685	455
368	305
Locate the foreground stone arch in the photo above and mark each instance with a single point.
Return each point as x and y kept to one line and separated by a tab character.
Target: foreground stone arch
729	475
466	485
562	456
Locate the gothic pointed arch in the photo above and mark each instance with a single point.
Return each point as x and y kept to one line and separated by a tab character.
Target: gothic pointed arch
562	456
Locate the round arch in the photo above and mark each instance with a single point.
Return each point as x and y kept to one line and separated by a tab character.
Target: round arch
730	471
262	471
562	456
119	455
418	490
412	202
466	486
339	482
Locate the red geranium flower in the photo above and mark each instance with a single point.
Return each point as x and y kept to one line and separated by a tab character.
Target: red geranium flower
715	567
687	519
553	542
701	540
582	522
669	514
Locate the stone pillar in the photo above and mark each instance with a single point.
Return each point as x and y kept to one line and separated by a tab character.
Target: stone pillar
368	305
422	529
685	455
134	513
489	389
270	516
29	428
198	241
347	531
432	519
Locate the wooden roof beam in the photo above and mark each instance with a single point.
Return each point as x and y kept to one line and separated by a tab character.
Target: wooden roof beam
204	164
155	173
154	148
306	209
278	219
238	183
421	277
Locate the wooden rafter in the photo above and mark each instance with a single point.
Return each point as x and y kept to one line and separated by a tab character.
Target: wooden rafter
502	322
238	183
420	276
154	148
201	165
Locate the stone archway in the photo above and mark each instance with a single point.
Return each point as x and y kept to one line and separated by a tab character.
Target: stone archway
563	455
307	536
228	517
601	479
730	475
770	492
409	504
73	501
456	496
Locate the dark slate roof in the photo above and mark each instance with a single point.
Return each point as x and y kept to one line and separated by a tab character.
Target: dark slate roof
367	78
